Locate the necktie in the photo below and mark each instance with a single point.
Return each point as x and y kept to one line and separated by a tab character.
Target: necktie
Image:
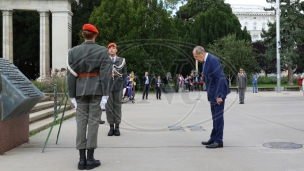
113	60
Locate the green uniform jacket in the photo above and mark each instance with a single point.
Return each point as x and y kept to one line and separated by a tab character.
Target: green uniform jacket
88	58
119	82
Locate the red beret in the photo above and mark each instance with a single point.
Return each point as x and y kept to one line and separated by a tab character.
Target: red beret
90	27
112	44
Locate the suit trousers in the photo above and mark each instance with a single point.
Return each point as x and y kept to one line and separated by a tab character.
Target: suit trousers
113	107
146	91
242	94
158	92
88	116
217	112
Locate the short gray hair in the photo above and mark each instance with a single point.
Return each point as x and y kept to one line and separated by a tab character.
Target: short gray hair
199	49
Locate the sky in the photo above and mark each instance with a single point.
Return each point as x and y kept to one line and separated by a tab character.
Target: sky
249	2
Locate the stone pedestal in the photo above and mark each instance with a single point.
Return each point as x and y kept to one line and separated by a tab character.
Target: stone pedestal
13	132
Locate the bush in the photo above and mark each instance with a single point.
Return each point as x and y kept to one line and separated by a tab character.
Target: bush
272	80
48	85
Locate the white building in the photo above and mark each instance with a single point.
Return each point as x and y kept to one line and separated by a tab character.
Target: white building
254	18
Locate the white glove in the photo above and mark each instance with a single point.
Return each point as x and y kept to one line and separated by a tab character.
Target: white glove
103	102
74	102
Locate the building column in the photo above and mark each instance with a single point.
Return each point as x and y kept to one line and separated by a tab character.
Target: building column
8	35
44	46
61	38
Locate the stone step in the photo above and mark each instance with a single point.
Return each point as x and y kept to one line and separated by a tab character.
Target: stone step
47	122
42	114
42	106
46	98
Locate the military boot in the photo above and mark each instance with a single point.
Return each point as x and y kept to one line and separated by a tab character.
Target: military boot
116	131
82	159
111	132
91	162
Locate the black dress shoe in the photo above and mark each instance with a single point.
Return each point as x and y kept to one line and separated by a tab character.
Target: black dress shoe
207	142
215	145
101	122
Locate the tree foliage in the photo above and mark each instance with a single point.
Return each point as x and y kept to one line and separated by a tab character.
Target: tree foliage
81	15
142	32
235	54
215	24
266	63
291	32
194	7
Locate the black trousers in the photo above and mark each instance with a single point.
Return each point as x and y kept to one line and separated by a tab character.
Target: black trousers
158	92
146	91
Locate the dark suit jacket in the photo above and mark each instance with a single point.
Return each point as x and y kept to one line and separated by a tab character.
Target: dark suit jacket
156	81
144	80
119	82
87	58
215	79
165	80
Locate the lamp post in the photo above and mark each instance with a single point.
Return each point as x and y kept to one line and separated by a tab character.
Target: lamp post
278	46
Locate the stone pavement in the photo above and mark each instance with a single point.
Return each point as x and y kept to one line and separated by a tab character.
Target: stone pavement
147	143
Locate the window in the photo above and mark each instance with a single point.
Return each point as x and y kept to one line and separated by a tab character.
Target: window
264	26
254	26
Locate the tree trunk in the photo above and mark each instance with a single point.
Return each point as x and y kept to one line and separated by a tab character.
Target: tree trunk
290	76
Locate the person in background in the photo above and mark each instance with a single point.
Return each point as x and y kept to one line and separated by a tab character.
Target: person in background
254	84
165	81
55	73
186	81
300	79
302	76
241	82
146	85
117	83
158	84
176	82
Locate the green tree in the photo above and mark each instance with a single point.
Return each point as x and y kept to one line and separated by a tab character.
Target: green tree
214	24
194	7
234	54
291	32
142	33
81	15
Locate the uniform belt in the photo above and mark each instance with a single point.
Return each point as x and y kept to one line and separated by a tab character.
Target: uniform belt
88	74
114	75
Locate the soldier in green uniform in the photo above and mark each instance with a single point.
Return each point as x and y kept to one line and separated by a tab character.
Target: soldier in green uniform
116	84
241	82
87	65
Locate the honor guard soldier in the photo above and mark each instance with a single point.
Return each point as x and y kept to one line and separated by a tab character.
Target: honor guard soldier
87	80
117	83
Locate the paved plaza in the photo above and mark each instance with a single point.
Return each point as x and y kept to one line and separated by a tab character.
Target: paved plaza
166	135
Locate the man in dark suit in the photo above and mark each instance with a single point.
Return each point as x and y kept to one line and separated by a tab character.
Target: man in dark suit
146	85
165	81
217	90
118	75
87	83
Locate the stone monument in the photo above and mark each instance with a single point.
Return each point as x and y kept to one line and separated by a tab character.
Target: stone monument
17	97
